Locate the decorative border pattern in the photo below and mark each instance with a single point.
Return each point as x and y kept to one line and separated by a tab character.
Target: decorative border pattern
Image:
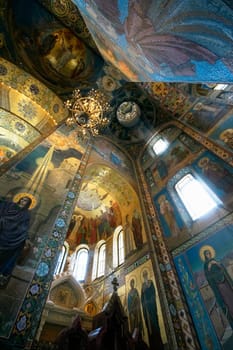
17	79
207	232
137	263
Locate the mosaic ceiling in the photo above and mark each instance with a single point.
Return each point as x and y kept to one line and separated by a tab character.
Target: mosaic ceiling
50	41
102	184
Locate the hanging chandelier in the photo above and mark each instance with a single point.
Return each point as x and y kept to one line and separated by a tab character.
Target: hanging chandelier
87	112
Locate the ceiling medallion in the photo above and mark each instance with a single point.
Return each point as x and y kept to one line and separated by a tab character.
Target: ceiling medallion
87	112
128	113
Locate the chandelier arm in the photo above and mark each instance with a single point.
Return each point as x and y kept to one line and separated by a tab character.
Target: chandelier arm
99	111
88	112
80	103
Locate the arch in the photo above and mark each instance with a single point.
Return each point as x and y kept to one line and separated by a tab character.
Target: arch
201	201
190	177
99	259
79	262
71	287
62	258
118	247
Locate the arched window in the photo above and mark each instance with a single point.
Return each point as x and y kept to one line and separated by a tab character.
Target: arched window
121	252
160	146
61	259
118	247
197	198
80	261
81	264
99	259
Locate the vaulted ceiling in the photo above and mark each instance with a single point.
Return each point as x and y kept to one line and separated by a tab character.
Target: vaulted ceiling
51	41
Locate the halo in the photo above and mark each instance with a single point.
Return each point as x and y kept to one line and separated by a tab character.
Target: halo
133	277
226	131
161	198
202	161
142	272
20	195
206	247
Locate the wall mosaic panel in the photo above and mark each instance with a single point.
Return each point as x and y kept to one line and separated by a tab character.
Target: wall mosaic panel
139	300
204	267
50	176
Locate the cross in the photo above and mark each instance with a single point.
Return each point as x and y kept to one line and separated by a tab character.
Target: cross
115	284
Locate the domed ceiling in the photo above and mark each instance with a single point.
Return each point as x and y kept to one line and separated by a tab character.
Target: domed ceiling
48	49
50	40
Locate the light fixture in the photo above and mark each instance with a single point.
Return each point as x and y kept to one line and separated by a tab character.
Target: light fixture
128	113
87	112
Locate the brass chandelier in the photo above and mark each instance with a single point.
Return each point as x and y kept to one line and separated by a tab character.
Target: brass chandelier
87	112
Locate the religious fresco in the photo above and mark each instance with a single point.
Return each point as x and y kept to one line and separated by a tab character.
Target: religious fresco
223	134
43	176
108	181
143	305
204	114
49	49
106	201
218	175
174	218
184	101
68	14
171	158
205	270
108	152
180	149
178	51
175	230
166	169
185	155
90	230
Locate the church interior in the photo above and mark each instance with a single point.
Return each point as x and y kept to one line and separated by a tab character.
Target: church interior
116	120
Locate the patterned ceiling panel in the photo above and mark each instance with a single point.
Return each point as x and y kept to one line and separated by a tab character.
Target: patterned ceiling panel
15	79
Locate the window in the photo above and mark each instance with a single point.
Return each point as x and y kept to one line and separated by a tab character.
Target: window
160	146
80	264
197	197
120	241
118	247
99	260
61	259
220	87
